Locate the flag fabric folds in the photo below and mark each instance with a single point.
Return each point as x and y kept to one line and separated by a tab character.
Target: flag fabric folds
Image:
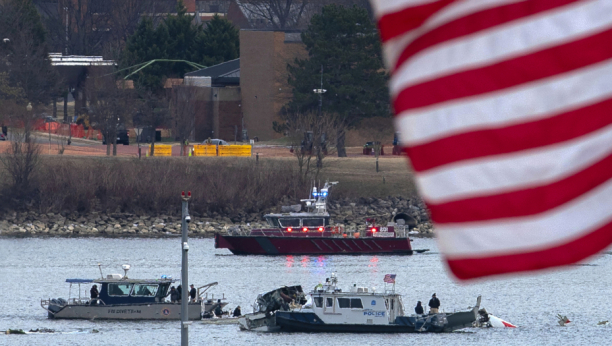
389	278
505	110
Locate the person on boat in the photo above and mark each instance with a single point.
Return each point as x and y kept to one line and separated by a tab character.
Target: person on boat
419	308
174	296
193	293
179	289
237	312
218	311
434	304
94	294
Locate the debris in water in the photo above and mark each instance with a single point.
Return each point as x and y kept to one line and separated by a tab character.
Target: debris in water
563	320
42	330
95	331
15	331
602	323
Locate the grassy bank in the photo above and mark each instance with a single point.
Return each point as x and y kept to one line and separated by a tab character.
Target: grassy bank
220	186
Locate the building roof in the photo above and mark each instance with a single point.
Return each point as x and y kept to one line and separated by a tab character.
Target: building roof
227	69
57	59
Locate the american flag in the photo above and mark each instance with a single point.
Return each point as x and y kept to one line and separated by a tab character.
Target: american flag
505	110
389	278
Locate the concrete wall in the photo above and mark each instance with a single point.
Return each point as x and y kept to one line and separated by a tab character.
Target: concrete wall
264	56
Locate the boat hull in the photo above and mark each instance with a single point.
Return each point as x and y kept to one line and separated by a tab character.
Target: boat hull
311	323
264	245
158	311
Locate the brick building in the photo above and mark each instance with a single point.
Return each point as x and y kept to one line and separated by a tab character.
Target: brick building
216	93
264	56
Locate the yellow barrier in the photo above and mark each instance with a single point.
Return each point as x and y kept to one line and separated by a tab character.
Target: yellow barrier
162	150
205	150
235	150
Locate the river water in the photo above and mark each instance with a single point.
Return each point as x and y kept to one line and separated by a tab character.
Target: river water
36	268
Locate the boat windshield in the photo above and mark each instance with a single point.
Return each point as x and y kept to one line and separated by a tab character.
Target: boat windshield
289	222
273	221
313	222
144	290
119	289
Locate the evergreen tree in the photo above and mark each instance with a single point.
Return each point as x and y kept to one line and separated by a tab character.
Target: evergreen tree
183	35
27	66
219	42
345	45
178	38
147	44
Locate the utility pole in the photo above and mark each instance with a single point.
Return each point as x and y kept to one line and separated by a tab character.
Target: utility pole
184	274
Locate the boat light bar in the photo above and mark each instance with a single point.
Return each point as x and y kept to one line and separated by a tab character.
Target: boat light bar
305	229
289	229
373	229
320	229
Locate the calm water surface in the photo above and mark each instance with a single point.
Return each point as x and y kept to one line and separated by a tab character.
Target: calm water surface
32	269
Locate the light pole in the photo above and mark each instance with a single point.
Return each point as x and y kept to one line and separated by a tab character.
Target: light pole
320	91
26	131
184	274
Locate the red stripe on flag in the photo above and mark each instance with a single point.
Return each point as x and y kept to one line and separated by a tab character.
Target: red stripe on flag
568	253
515	71
530	201
489	142
397	23
478	21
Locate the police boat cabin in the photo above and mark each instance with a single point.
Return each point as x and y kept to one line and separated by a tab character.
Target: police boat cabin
118	297
362	310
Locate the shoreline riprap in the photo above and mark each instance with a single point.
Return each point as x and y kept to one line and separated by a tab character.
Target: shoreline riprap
352	214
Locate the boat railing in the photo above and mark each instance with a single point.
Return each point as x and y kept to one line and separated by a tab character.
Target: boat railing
401	231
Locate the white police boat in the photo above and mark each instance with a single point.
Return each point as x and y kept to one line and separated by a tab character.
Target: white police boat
122	298
361	310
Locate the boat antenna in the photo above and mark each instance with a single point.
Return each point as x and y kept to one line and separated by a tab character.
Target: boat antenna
100	267
125	268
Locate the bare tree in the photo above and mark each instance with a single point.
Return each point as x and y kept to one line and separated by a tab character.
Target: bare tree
310	136
94	27
182	110
109	105
152	112
21	159
279	14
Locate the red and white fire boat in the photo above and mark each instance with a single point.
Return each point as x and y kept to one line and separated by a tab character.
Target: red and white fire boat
300	233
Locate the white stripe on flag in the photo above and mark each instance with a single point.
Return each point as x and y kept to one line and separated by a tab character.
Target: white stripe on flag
555	227
389	6
502	42
525	103
510	172
393	48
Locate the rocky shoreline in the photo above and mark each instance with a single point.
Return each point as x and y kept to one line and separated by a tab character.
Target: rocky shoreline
352	214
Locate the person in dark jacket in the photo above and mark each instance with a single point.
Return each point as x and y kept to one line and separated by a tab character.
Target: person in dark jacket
419	309
94	294
237	312
174	296
193	293
434	304
179	289
218	310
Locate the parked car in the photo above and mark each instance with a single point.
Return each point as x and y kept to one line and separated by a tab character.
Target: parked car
215	142
123	137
